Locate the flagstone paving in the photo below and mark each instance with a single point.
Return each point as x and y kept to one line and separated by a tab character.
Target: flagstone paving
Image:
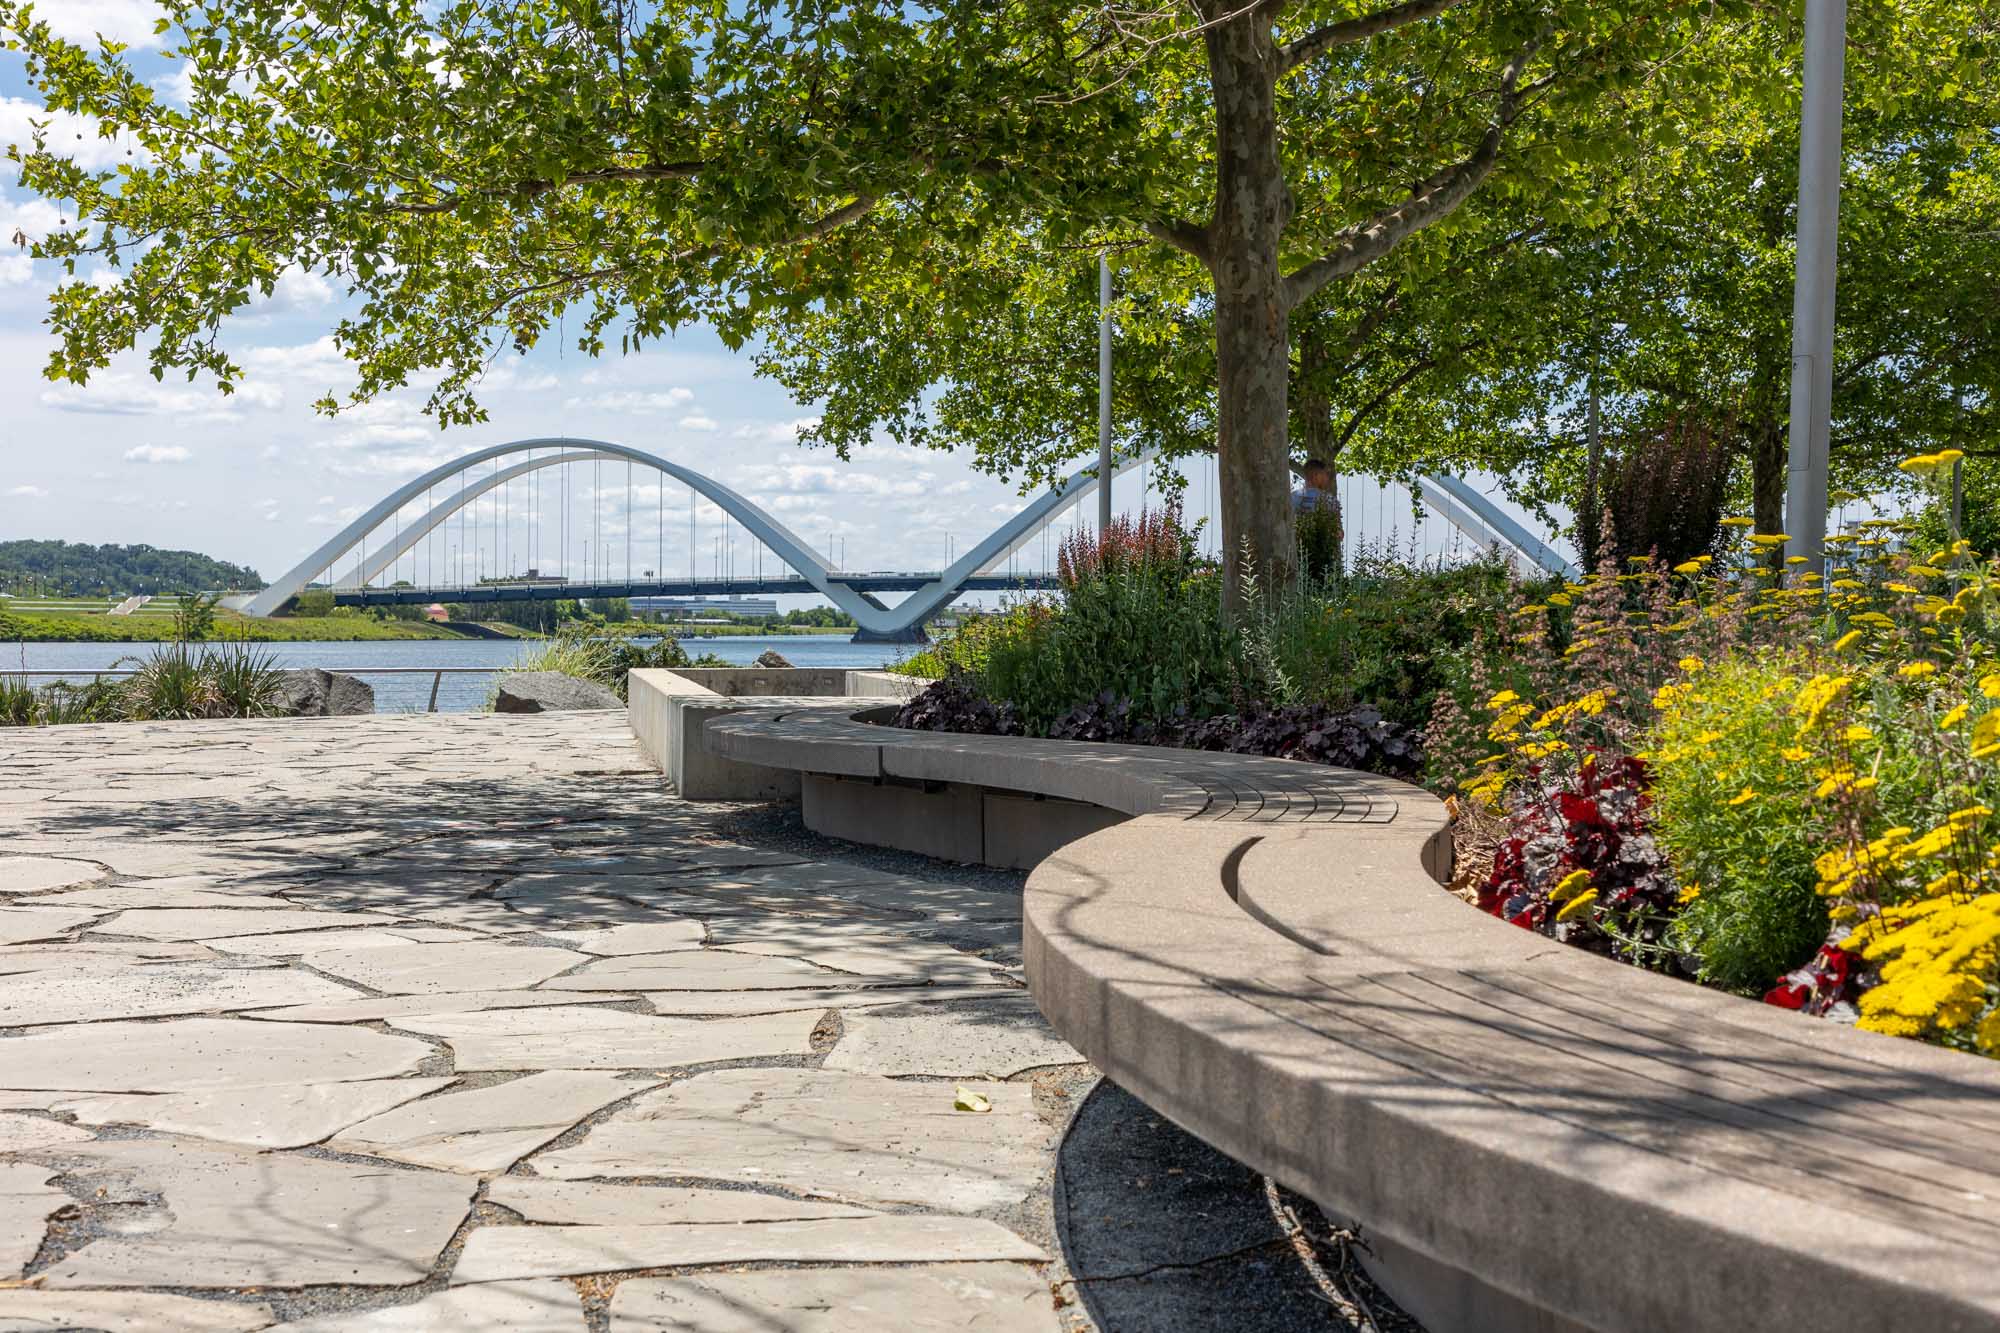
465	1022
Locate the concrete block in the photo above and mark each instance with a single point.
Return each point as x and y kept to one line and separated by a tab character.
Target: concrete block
945	823
1022	830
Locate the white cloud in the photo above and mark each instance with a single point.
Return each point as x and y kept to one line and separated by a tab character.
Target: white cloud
66	134
319	358
16	270
383	421
29	493
121	393
158	453
637	401
777	432
699	422
296	289
127	21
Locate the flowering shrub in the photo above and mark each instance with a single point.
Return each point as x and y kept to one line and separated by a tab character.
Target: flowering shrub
1806	769
1580	862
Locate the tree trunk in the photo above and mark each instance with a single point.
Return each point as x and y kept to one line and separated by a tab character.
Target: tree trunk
1769	463
1252	356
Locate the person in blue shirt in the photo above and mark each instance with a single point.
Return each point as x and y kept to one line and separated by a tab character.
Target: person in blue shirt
1317	506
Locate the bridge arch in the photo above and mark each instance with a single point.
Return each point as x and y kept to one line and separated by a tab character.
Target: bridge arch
1460	504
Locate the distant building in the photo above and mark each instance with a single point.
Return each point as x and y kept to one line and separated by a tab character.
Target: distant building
691	607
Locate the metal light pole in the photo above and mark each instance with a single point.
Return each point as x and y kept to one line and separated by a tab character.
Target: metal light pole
1813	291
1103	393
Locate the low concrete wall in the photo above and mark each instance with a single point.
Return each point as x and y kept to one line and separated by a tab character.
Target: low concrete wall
669	708
950	821
1529	1138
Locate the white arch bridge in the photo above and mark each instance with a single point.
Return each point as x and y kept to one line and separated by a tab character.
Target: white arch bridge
364	562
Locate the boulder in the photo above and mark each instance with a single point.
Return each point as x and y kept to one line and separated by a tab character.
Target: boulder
310	692
771	657
550	692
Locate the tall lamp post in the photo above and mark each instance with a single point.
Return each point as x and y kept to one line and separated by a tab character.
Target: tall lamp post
1813	290
1103	394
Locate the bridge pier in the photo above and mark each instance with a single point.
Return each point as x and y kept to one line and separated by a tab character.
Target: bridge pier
910	634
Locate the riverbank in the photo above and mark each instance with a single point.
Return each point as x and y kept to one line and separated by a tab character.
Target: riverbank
228	625
349	629
400	672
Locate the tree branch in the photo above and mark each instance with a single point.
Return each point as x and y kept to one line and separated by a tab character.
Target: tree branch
1370	407
662	171
1184	236
1432	199
1323	39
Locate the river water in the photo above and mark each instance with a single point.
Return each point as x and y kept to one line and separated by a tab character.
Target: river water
398	693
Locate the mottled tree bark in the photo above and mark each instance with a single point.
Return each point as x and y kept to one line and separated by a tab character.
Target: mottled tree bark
1253	360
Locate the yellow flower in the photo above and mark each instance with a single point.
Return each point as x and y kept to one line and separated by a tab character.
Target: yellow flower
1986	736
1743	797
1687	567
1736	522
1690	893
1502	699
1990	685
1531	609
1575	882
1560	599
1796	753
1899	587
1954	717
1969	816
1847	640
1921	465
1849	583
1577	906
1917	670
1690	664
1857	733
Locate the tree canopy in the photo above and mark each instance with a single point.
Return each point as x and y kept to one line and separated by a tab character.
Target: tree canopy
476	170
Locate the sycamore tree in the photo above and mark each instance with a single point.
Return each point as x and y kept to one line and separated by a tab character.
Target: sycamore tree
475	170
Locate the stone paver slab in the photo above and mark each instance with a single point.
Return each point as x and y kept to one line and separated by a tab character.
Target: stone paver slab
97	955
486	1129
426	969
369	1009
147	893
214	923
191	1053
886	958
20	1133
237	1218
844	1136
994	1038
18	925
609	1038
29	1311
156	990
591	1203
541	1306
856	996
652	937
282	1117
28	1196
286	943
694	969
935	1298
38	874
497	1253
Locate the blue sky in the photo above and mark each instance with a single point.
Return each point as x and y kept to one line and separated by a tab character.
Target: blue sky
259	477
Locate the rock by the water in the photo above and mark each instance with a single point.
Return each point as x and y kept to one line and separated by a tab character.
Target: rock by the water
550	692
310	692
770	658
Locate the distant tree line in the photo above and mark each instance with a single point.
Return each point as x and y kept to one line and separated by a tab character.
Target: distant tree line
78	569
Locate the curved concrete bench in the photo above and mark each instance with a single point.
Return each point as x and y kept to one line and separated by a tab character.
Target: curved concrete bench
1527	1135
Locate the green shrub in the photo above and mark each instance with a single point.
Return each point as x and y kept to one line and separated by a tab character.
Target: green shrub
1738	822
